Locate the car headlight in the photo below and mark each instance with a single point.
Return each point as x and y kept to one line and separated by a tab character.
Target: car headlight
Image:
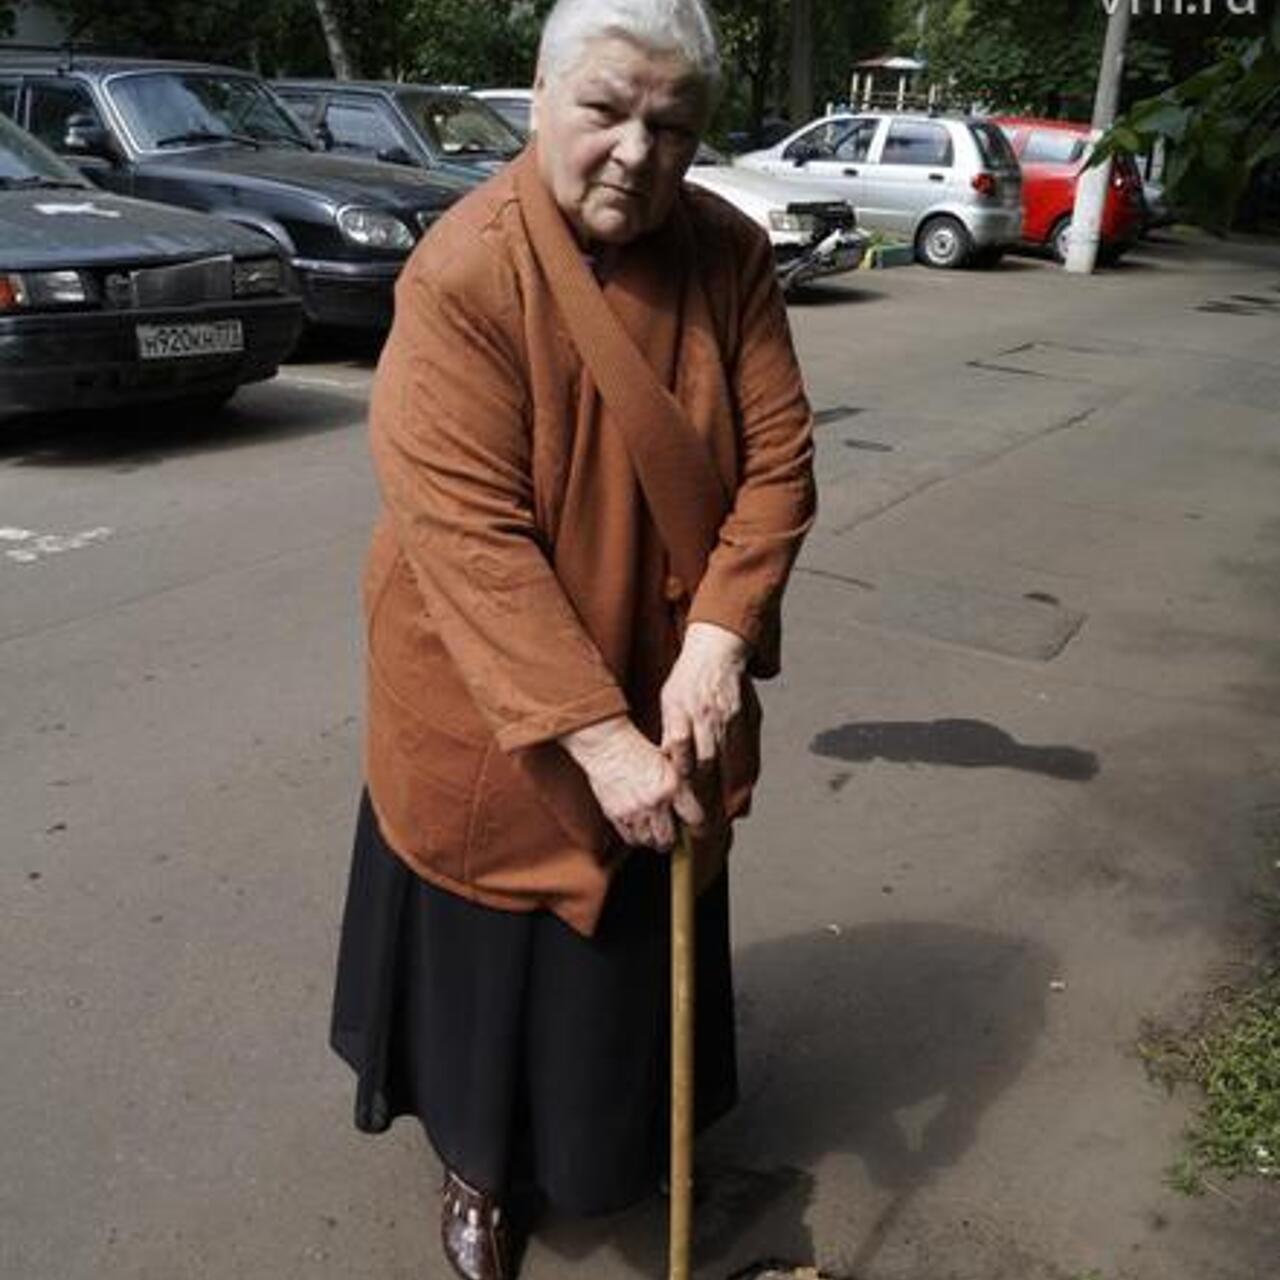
256	276
374	230
781	220
34	290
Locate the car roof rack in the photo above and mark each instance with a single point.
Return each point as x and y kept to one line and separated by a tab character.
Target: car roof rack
66	51
71	51
67	48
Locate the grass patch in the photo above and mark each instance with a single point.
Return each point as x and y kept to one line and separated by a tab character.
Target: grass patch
885	250
1232	1054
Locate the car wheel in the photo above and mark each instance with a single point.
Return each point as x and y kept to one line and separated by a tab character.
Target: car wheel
1059	237
943	242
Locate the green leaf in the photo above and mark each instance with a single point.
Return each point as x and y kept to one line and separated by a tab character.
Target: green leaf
1128	139
1268	148
1199	86
1159	116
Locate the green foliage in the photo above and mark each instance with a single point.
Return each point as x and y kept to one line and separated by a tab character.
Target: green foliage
996	52
843	34
1233	1055
462	41
243	32
474	41
1221	124
1041	56
1184	1176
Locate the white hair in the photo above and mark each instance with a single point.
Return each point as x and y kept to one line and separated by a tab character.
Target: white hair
681	27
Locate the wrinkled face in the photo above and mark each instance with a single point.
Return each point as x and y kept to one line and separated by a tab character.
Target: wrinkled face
616	132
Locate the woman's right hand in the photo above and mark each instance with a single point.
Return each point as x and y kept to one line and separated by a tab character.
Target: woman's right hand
635	784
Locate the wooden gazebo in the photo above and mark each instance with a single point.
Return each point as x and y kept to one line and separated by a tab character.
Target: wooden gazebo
891	82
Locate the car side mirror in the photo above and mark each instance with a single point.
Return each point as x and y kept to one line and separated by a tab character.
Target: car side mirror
800	153
87	136
395	155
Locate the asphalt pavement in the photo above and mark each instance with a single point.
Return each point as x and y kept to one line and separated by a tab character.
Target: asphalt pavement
1022	778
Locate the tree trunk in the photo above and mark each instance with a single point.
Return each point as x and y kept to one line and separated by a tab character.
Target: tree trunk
801	105
343	66
761	72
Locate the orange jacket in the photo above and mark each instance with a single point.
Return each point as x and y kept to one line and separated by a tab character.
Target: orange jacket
517	588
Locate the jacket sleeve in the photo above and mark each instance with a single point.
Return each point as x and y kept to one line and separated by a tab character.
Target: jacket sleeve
775	503
452	448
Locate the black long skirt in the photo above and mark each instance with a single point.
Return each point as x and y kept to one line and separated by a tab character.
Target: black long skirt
528	1052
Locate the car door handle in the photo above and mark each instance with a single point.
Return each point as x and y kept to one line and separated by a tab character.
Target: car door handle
849	173
937	177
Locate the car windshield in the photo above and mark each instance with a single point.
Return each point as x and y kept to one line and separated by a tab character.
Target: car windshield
187	108
515	111
458	125
997	153
1053	146
24	162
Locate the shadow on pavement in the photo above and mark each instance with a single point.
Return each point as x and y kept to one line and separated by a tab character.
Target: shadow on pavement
829	294
358	348
1010	265
1131	264
146	435
883	1042
967	744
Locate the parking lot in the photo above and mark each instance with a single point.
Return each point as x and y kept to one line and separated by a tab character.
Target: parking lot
1022	779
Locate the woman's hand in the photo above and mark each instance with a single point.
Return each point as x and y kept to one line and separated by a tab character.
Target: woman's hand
701	695
638	787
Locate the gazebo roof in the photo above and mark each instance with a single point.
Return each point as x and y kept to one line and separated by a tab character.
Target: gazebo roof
890	62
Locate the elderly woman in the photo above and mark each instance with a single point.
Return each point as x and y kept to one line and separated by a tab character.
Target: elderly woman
594	452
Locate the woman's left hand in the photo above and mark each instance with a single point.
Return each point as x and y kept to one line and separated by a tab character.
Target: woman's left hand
702	695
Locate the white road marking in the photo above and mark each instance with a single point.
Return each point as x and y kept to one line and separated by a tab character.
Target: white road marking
35	546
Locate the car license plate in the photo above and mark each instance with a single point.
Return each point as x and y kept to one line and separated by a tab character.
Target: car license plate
178	341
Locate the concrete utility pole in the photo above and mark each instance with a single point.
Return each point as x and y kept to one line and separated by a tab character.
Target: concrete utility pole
801	95
1091	188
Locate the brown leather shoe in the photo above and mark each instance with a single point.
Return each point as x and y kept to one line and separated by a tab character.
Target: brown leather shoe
474	1231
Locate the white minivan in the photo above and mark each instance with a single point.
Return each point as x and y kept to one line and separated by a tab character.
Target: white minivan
949	184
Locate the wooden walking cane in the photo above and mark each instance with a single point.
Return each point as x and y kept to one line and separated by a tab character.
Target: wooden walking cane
682	961
680	1230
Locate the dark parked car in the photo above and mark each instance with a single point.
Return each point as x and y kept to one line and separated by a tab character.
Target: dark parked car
435	128
218	140
105	300
515	106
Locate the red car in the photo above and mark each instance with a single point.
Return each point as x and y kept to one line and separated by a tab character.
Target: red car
1052	154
